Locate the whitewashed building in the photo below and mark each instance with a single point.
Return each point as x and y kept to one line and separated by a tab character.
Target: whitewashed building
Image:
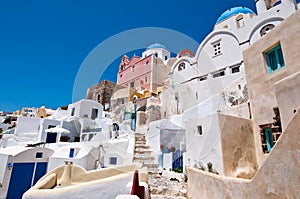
214	79
20	168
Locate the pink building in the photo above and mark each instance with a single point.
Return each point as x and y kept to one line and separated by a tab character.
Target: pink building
147	72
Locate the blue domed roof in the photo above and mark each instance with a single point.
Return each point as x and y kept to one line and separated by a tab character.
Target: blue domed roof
156	46
234	11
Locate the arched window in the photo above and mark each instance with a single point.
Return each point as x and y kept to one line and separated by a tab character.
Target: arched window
181	67
264	30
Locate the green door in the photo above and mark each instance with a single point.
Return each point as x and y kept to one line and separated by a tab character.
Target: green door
269	139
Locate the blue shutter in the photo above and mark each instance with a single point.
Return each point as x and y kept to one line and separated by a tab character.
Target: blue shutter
274	58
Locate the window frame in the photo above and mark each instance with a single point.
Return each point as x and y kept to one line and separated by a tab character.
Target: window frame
279	59
113	160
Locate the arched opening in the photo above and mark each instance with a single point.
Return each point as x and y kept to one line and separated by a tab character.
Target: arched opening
264	30
181	67
240	21
142	108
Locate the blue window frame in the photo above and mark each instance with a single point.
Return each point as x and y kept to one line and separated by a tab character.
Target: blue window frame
274	59
113	160
39	155
71	154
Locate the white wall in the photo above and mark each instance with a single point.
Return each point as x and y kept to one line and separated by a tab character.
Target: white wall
160	52
153	136
4	126
206	147
105	189
83	108
117	148
28	128
84	156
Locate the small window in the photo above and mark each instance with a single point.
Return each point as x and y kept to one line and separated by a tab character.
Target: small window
219	74
51	126
98	97
147	62
91	136
166	57
132	84
266	29
71	155
202	78
156	55
199	128
39	155
235	69
121	76
196	95
146	79
274	58
181	67
94	113
113	160
217	48
73	111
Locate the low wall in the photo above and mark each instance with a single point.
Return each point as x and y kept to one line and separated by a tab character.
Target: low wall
78	183
278	177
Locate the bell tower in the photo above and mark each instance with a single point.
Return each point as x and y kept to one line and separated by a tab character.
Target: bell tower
123	63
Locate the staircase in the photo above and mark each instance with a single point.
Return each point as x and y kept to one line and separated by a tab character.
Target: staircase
160	187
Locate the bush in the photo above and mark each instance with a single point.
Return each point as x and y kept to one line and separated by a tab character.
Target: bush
178	170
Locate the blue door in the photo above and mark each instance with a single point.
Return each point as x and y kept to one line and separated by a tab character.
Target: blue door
40	171
20	180
177	160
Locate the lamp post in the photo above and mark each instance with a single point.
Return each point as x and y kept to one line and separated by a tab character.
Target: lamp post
133	121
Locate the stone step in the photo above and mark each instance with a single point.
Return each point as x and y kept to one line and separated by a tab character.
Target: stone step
147	162
153	171
165	191
153	196
151	165
143	157
140	137
143	150
140	142
137	146
143	153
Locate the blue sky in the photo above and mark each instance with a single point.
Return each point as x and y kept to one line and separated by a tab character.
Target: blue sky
43	43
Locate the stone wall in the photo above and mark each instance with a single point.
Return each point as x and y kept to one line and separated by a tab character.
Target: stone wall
102	92
262	84
238	147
